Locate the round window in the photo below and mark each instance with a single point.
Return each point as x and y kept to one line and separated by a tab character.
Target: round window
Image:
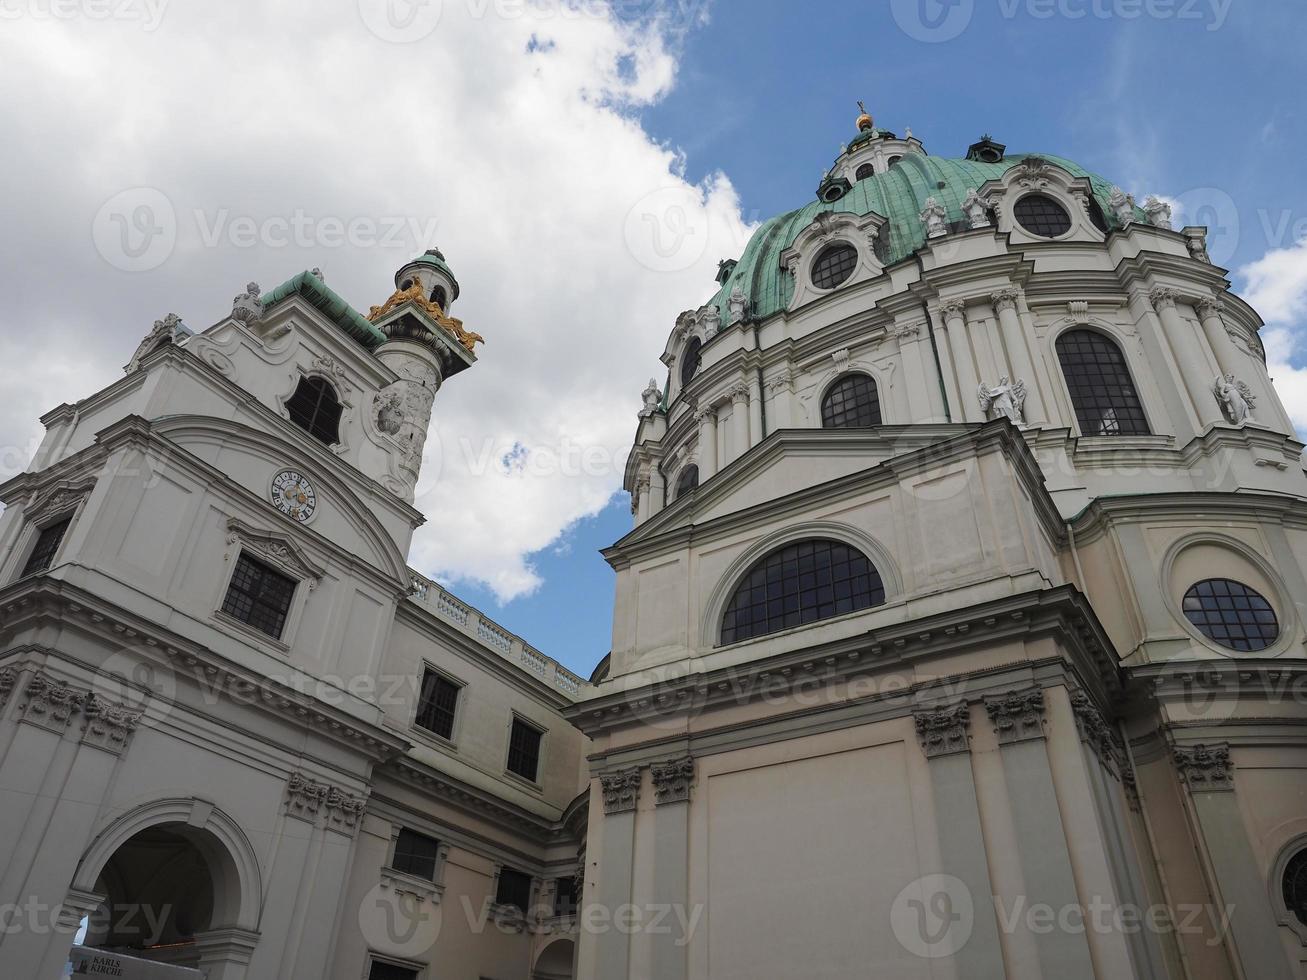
1295	886
1040	215
1231	614
690	360
834	265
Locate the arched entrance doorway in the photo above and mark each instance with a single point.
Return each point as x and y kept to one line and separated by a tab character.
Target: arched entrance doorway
174	882
555	963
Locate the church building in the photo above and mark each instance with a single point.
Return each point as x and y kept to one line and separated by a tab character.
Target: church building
960	632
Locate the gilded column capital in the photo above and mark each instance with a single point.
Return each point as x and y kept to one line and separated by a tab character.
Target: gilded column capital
672	780
621	790
1204	768
943	730
1017	717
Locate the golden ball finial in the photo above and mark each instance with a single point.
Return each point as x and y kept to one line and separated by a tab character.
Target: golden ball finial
865	121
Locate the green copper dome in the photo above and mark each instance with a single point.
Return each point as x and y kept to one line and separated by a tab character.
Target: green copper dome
899	195
435	258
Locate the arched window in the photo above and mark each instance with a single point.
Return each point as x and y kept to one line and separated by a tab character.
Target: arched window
690	360
798	584
439	297
687	481
893	160
316	409
851	403
1040	215
1232	614
863	172
1295	886
834	265
1104	397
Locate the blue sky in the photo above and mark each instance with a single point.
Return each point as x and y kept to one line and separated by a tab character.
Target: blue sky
1200	102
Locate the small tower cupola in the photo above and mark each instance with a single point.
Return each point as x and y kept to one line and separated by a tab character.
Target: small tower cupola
438	283
986	150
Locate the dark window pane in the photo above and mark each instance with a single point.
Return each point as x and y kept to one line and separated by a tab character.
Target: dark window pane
690	360
863	172
259	595
415	854
315	408
47	544
803	596
687	481
437	704
514	889
390	971
834	265
1043	216
851	403
565	896
524	750
439	297
1102	393
1231	614
1295	886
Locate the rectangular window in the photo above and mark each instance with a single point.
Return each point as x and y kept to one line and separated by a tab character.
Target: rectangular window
436	704
391	971
514	889
524	749
565	896
259	596
47	544
415	854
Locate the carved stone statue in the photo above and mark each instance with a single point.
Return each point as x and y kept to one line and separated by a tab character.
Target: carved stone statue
164	332
1123	207
1235	397
317	274
974	208
1007	400
652	396
248	307
932	217
737	305
1197	242
1158	211
712	320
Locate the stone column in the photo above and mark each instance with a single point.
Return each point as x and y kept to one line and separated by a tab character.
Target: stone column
1185	346
672	782
621	792
1244	367
755	411
642	498
918	374
781	386
955	317
945	739
657	487
1018	352
739	420
707	419
1045	861
1206	773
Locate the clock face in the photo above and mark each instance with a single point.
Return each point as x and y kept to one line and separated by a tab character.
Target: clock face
293	495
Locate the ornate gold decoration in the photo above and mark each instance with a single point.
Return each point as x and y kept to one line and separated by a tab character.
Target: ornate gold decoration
864	120
416	294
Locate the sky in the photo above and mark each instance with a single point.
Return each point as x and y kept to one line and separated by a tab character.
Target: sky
583	166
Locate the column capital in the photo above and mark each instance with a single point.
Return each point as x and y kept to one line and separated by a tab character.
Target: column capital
1005	298
1210	306
781	381
672	780
953	309
707	413
108	726
1094	729
943	730
1017	717
621	790
49	703
739	392
1204	768
1162	298
310	801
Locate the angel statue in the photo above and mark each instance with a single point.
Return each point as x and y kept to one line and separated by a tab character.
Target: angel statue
1007	400
1235	397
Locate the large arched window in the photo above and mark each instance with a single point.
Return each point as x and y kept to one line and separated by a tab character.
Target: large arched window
851	402
316	409
1294	885
1104	397
865	171
798	584
687	481
691	358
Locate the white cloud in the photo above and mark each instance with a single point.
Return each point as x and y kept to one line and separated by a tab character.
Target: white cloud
510	126
1276	286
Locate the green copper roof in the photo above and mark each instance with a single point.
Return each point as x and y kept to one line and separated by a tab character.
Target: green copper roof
314	290
899	195
433	257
